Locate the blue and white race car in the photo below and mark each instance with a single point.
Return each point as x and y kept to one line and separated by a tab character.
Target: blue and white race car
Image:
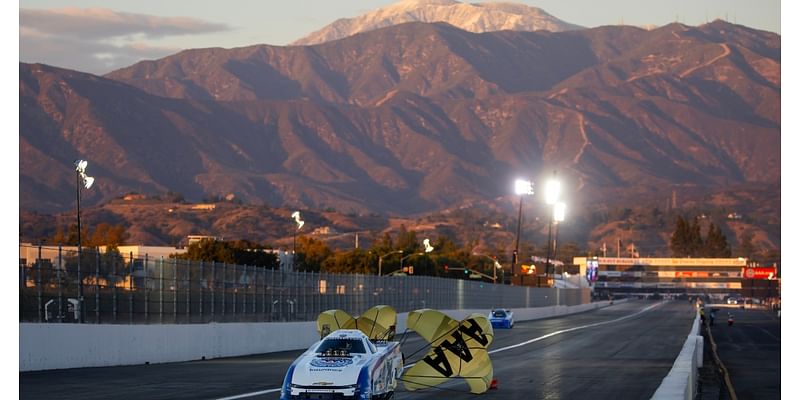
501	318
345	364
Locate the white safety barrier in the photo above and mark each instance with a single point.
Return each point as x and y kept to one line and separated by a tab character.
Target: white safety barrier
59	346
681	381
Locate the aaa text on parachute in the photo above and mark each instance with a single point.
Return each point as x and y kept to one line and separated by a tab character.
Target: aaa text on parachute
458	350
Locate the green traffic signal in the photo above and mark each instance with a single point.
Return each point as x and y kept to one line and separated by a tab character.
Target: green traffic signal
466	271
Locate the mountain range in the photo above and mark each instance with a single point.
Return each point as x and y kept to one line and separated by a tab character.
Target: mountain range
414	118
473	17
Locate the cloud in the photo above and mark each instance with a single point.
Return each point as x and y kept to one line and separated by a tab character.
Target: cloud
103	23
87	56
99	40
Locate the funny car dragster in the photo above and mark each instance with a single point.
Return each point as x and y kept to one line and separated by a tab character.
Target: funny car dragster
357	359
354	359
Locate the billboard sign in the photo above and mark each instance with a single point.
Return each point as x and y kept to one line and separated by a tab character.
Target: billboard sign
759	273
591	270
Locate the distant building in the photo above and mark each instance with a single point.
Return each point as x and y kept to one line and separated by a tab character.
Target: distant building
323	230
28	253
191	239
734	216
133	196
644	276
153	252
204	206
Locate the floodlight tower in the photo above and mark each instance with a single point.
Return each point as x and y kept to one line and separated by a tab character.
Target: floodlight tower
551	193
521	187
86	181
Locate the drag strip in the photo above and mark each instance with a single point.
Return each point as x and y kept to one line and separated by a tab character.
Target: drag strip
621	351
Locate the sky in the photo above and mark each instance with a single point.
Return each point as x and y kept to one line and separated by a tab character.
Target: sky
120	32
101	36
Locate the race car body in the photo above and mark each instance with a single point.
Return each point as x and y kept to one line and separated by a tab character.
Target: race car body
345	364
501	318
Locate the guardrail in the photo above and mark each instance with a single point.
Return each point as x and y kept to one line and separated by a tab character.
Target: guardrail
119	289
59	346
681	381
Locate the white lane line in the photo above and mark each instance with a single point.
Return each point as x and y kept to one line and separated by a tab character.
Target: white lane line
648	308
514	346
242	396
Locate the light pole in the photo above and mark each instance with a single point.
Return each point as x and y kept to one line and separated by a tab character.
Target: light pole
86	181
300	223
551	193
558	216
495	266
403	258
521	187
380	260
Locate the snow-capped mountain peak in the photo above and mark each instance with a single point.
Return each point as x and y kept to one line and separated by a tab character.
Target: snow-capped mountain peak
473	17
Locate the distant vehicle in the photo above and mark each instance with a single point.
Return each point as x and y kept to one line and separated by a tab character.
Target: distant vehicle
734	300
345	364
501	318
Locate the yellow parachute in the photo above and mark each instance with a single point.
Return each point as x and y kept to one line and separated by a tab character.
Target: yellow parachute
458	349
377	323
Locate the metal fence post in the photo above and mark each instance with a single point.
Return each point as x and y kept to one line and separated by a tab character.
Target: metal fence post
244	291
255	283
202	281
130	289
236	282
271	294
175	290
39	284
224	286
114	287
264	295
188	291
213	285
146	290
161	289
58	278
97	286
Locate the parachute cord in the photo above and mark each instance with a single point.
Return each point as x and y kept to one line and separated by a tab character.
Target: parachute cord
373	323
434	386
435	339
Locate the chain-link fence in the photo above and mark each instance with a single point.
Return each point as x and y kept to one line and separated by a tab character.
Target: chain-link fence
120	289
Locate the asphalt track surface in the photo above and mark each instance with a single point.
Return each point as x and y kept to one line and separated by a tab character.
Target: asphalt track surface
750	350
618	352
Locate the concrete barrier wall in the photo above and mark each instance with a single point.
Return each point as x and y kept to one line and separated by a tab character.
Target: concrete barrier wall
59	346
681	381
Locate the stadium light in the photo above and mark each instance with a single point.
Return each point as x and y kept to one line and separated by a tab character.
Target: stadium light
86	181
552	191
521	187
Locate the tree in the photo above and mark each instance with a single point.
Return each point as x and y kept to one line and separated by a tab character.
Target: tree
356	261
695	239
680	237
444	245
384	244
107	235
238	252
715	244
311	253
686	240
71	237
407	240
209	250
